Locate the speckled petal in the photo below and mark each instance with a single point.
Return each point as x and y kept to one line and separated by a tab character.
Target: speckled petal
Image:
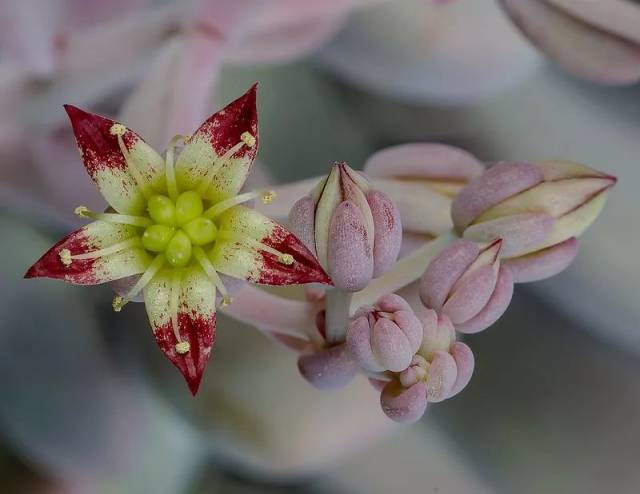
543	263
331	368
404	405
494	308
387	228
350	258
212	140
196	320
92	237
242	259
106	164
498	183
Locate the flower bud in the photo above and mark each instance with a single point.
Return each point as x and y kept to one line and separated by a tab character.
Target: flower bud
404	405
466	283
537	209
423	177
354	230
441	369
386	336
328	368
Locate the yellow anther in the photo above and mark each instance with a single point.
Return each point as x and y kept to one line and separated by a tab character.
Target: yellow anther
248	139
286	259
225	301
117	129
65	257
183	347
82	211
118	303
268	196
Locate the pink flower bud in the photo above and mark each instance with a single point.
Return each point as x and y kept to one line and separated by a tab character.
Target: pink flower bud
440	370
328	368
386	336
354	230
404	405
537	209
423	177
462	283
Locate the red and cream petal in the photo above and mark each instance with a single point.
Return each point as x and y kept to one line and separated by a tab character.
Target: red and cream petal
92	237
196	319
244	259
98	144
212	140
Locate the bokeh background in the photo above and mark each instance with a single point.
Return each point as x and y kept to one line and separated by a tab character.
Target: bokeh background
88	404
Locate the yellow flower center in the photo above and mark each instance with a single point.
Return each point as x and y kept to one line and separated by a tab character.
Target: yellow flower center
178	226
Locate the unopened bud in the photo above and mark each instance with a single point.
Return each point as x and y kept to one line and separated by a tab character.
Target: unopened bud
534	208
328	368
354	231
386	336
462	282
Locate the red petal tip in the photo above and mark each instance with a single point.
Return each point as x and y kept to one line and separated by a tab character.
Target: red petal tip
193	382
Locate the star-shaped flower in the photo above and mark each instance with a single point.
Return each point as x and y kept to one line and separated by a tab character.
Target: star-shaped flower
177	227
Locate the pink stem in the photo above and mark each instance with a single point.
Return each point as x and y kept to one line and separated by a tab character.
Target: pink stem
272	313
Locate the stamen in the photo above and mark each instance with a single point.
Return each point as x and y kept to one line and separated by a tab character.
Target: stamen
181	347
246	140
157	263
119	130
217	209
65	254
213	275
268	196
65	257
170	172
124	219
286	259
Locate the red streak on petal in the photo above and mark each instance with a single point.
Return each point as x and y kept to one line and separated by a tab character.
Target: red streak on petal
80	271
199	330
305	268
98	147
224	128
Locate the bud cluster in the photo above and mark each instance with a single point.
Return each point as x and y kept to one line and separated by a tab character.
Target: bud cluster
516	222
